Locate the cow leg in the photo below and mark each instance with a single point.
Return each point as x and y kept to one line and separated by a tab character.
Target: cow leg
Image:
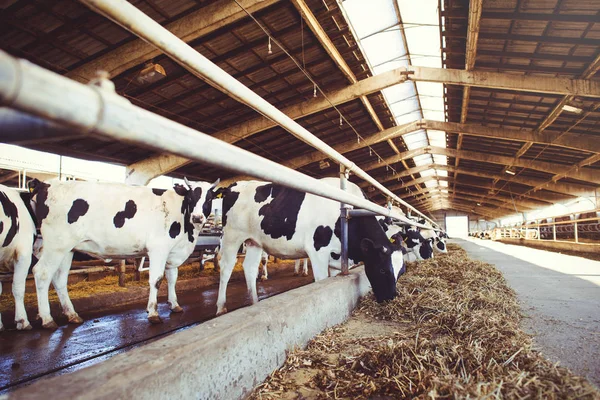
43	272
18	290
227	258
297	267
251	265
171	273
59	281
157	272
320	264
305	267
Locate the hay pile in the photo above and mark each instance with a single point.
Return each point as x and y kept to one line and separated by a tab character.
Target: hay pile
452	332
108	284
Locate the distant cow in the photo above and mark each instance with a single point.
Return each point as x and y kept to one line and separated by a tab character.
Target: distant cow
437	242
417	244
290	224
112	220
17	234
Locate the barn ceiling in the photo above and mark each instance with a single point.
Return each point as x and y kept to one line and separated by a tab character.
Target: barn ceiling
508	150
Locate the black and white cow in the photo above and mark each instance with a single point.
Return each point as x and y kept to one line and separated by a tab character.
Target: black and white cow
417	244
17	233
111	220
290	224
437	242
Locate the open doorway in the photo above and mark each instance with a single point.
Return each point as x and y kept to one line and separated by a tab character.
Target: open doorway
457	226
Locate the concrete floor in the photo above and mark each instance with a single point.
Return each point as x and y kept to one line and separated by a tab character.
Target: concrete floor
560	300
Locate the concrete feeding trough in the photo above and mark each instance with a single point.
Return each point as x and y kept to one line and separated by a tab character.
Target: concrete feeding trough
221	358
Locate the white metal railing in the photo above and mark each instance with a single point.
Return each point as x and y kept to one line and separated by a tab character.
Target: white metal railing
576	229
132	19
93	110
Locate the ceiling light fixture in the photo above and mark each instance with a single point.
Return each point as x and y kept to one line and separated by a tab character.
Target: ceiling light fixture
324	164
151	73
510	172
572	109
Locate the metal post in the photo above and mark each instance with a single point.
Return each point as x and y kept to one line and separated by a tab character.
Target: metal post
122	273
344	222
576	233
554	230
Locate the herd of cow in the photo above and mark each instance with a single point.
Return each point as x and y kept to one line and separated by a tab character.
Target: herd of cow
109	220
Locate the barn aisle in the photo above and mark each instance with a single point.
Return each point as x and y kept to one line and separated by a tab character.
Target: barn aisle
560	299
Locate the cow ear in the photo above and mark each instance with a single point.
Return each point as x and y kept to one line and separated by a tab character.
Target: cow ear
215	183
33	185
366	245
180	189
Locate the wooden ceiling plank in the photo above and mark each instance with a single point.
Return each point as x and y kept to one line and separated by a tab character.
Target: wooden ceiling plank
194	25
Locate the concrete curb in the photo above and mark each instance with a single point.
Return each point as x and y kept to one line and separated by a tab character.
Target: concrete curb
220	359
552	245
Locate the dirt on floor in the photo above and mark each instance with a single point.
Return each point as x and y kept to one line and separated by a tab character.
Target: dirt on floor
452	332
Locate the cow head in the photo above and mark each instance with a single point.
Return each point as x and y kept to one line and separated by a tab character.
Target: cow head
196	205
440	245
384	264
426	249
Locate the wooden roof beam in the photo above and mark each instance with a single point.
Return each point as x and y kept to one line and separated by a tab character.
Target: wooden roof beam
376	83
497	201
532	202
564	188
337	58
447	205
525	16
199	23
475	8
548	167
472	202
466	204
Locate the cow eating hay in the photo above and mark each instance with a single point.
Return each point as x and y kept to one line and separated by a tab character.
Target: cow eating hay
452	332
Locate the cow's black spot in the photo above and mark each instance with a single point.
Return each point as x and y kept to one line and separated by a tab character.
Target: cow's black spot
263	192
413	238
322	237
229	199
128	213
10	210
383	225
1	226
337	229
441	245
281	213
158	192
188	204
26	197
40	191
175	229
79	208
335	256
426	250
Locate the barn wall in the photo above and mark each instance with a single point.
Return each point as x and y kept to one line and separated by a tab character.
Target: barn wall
223	358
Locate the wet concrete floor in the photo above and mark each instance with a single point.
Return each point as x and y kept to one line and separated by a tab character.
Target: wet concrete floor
30	355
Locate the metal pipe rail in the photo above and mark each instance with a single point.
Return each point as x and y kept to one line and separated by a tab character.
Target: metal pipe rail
91	109
133	20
